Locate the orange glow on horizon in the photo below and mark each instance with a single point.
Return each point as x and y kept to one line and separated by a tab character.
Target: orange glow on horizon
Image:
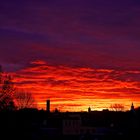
75	88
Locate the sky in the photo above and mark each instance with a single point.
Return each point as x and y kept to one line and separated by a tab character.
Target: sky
77	53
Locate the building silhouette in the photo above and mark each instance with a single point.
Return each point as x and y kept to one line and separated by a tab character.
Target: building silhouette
48	105
132	107
89	109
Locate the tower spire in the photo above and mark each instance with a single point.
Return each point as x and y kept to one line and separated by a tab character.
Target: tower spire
132	107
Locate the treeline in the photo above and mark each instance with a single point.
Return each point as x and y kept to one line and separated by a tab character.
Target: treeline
11	98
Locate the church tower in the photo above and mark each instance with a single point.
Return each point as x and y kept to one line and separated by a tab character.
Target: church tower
132	107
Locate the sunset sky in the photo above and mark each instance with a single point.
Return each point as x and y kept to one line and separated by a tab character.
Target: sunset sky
77	53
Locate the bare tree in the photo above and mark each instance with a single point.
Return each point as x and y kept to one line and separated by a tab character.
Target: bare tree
117	107
24	99
6	91
0	74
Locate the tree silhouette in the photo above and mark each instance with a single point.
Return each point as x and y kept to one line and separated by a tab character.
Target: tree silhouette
24	99
0	74
6	91
6	94
117	107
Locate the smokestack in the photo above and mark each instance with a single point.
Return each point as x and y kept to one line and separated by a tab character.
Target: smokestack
48	105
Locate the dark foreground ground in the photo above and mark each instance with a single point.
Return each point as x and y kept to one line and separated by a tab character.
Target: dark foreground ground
40	125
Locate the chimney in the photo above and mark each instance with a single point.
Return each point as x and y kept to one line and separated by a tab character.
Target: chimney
48	105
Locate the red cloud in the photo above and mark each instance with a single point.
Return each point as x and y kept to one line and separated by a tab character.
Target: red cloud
68	86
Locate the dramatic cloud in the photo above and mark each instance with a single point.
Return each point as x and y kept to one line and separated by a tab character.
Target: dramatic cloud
86	44
82	87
